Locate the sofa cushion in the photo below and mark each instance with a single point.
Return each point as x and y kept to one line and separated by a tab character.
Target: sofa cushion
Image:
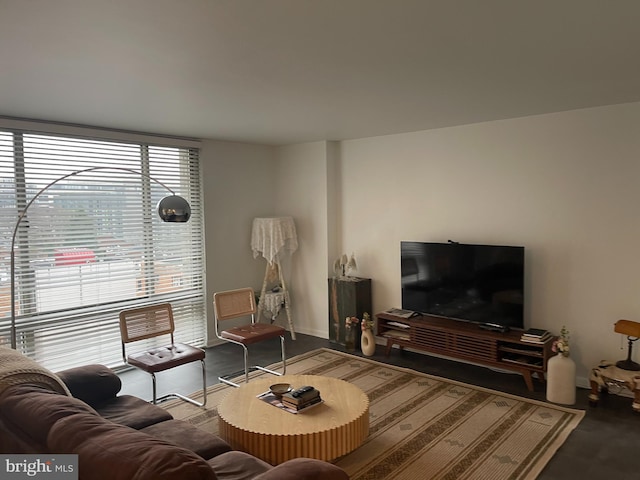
107	451
237	466
12	441
92	384
185	435
132	412
31	410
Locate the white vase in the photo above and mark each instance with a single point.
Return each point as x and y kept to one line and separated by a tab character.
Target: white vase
367	343
561	380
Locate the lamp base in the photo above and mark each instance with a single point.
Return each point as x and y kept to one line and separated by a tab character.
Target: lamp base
628	365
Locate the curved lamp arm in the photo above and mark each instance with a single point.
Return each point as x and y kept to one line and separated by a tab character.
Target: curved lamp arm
170	209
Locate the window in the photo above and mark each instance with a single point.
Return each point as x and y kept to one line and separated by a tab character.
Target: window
91	244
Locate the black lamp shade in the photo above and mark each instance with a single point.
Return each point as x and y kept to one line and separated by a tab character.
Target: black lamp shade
174	209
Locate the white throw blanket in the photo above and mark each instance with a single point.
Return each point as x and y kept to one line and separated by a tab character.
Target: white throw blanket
16	369
273	237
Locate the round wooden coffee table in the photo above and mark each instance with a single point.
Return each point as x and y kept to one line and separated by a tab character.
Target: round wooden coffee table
324	432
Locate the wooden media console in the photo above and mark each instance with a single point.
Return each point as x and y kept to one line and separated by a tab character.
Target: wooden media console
467	341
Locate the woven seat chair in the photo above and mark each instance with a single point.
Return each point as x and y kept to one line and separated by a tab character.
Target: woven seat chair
156	321
239	303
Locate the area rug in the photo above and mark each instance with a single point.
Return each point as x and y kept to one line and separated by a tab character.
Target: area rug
425	427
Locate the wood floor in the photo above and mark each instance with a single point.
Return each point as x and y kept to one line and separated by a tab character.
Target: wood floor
604	446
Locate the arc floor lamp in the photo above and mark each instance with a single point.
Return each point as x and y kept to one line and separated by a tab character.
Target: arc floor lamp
171	208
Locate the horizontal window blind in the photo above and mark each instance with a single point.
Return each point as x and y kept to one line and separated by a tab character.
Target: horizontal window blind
91	243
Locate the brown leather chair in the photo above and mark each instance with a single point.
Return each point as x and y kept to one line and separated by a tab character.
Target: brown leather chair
156	321
239	303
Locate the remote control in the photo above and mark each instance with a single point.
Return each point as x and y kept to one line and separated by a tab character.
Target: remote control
301	391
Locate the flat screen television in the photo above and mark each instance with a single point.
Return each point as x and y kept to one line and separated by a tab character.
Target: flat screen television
475	283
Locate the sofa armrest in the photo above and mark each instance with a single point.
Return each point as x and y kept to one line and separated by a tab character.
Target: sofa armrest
29	411
304	469
93	384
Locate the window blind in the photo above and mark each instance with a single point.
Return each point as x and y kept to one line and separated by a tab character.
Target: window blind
92	244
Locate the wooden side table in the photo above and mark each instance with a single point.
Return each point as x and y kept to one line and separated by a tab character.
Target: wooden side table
348	297
606	375
324	432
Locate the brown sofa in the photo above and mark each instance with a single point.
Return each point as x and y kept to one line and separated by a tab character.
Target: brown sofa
122	437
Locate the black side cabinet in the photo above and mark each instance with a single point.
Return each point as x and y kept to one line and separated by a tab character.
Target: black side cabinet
348	297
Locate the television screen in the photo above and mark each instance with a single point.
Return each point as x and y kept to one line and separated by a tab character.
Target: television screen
475	283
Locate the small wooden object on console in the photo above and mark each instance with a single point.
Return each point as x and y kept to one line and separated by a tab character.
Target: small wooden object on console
467	341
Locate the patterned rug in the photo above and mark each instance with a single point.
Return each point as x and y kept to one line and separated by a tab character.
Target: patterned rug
425	427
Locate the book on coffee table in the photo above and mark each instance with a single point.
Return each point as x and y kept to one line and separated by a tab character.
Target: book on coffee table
301	398
271	399
302	406
301	395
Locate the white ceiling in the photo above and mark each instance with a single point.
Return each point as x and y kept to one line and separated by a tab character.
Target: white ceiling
290	71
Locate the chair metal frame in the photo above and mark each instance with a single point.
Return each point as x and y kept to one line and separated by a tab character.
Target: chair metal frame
239	303
152	321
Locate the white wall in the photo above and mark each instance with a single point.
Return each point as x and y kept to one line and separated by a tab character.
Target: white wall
563	185
301	171
239	183
244	181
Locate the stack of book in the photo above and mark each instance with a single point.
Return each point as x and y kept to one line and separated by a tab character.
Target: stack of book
301	398
535	335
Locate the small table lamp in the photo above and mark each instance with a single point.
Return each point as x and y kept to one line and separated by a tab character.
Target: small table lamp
632	330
